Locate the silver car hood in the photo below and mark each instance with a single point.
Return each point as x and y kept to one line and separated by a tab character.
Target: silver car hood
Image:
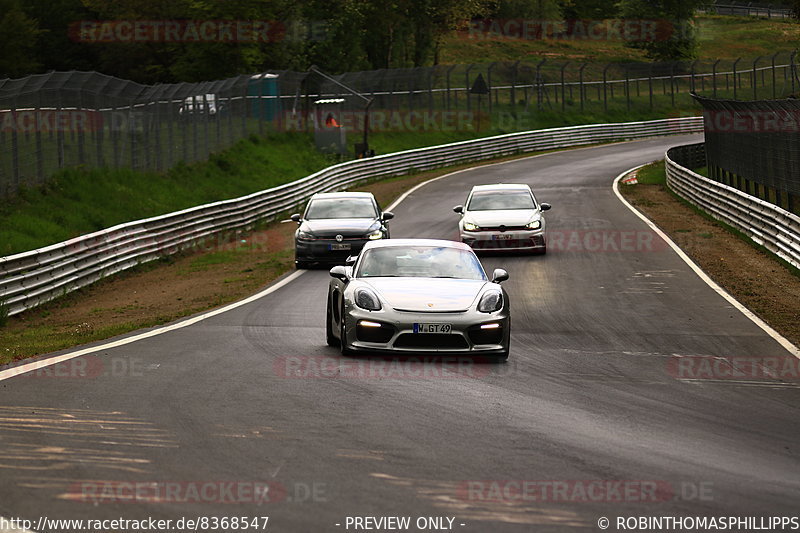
427	294
506	217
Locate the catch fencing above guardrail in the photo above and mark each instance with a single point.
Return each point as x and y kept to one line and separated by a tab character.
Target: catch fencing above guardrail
31	278
774	228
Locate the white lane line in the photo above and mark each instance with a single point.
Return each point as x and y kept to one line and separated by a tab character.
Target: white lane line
783	341
36	365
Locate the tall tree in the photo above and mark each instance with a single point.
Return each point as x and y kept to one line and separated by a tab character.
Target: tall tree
18	35
675	38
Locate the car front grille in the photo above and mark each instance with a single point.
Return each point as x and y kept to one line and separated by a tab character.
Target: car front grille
432	341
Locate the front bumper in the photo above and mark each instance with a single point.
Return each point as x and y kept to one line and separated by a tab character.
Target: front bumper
509	240
323	250
396	332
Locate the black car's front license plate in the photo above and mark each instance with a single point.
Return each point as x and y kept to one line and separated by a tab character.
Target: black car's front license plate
340	246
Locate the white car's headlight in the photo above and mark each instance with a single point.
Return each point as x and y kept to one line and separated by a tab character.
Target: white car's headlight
534	224
375	235
367	299
491	301
469	226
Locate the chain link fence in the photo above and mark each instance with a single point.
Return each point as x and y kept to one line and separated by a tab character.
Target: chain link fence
755	147
59	120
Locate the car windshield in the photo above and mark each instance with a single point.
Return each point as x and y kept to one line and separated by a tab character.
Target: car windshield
497	200
420	262
341	208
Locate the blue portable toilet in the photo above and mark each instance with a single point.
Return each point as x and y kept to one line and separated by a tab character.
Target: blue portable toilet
264	95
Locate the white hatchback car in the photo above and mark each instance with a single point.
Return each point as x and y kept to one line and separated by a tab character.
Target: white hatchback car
503	216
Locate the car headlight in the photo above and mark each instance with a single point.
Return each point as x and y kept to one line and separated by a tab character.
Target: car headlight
305	235
375	235
534	224
490	301
469	226
366	299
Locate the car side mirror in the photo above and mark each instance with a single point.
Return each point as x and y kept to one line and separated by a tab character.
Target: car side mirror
351	260
339	272
499	275
545	206
387	215
459	209
295	217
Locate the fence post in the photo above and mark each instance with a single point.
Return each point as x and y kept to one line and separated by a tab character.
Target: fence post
563	88
774	81
691	71
466	87
539	84
14	150
714	76
754	78
650	83
514	72
605	92
627	89
489	83
580	82
735	81
793	69
672	83
39	152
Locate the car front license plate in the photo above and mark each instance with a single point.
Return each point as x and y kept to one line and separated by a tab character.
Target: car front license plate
432	328
502	237
340	246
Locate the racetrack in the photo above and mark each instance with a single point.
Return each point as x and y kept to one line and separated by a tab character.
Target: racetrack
588	399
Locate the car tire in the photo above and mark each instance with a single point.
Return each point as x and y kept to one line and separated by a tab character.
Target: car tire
342	342
330	339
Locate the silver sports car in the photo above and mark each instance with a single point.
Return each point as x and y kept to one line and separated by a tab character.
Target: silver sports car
418	295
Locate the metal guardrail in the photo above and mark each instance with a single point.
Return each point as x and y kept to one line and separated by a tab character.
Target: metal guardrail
31	278
767	224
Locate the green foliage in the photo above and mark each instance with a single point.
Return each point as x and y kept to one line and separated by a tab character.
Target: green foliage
676	37
18	34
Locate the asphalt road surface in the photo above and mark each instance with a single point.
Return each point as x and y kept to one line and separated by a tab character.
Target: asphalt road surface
603	410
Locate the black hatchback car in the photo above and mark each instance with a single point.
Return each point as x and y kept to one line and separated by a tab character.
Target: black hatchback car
336	225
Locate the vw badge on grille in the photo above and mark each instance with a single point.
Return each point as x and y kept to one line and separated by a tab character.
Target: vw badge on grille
339	238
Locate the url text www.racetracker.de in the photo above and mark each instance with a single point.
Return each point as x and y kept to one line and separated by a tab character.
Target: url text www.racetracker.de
700	523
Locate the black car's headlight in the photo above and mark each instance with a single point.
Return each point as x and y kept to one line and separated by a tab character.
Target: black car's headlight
375	235
305	235
491	301
367	299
